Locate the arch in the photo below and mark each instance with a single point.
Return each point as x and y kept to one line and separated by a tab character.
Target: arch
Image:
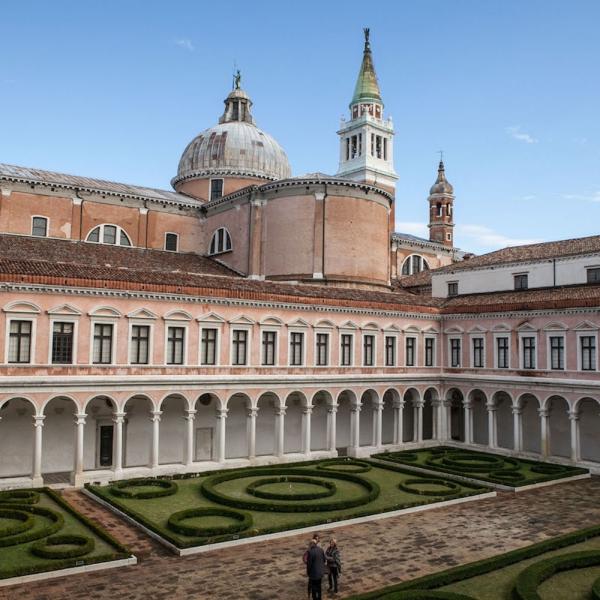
559	427
44	405
390	397
220	241
268	403
414	263
480	432
294	424
206	406
98	431
6	401
505	432
16	436
137	430
320	401
105	311
345	400
112	402
431	406
21	306
530	422
208	398
456	399
58	439
108	233
172	430
368	423
412	397
589	425
236	425
178	314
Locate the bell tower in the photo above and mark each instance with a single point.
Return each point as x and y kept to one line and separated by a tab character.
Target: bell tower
441	209
366	140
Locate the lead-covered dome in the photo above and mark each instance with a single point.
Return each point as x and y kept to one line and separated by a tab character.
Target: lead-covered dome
441	185
234	147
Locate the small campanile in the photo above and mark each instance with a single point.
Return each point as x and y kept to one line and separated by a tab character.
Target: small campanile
441	211
366	147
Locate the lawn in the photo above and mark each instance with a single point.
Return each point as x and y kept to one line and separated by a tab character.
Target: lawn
483	466
232	504
40	532
525	574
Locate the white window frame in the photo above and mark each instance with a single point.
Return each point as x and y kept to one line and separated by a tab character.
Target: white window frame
416	352
431	336
448	284
304	332
351	333
327	332
32	347
276	330
533	334
248	330
502	334
474	336
176	237
115	331
186	341
101	226
226	235
563	335
66	319
47	219
373	333
462	349
210	185
210	325
149	323
396	349
586	333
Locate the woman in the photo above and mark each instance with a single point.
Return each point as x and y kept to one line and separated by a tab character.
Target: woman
334	564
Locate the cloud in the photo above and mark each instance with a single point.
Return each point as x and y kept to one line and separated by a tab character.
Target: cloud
515	132
591	197
528	198
485	237
185	43
418	229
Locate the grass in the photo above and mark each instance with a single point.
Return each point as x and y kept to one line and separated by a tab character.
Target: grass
433	459
155	512
18	560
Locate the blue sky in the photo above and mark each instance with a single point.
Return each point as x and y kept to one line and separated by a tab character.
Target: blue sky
508	89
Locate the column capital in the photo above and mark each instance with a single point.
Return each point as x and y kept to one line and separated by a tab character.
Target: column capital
280	411
378	406
490	406
355	408
80	418
332	408
119	417
155	415
222	413
517	410
307	410
38	420
468	404
398	404
543	412
190	414
252	412
573	415
419	403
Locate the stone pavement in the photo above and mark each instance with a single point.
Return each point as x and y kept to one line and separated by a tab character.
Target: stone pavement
374	554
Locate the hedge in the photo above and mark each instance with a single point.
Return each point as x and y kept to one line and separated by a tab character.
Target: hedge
361	466
596	589
34	533
46	548
481	567
451	487
243	522
24	520
254	488
166	488
425	595
20	496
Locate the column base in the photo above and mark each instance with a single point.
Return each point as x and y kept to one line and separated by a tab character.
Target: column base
117	474
77	479
37	481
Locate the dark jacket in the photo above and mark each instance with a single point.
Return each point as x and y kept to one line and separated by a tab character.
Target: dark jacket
315	565
334	560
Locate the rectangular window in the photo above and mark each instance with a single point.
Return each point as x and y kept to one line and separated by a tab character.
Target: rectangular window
269	344
109	235
346	350
557	352
528	345
411	344
429	352
239	342
322	349
502	356
390	351
216	189
372	144
62	343
453	288
103	342
296	348
19	343
455	352
478	358
588	352
521	281
593	275
140	345
175	345
171	240
208	348
368	350
347	148
39	226
385	148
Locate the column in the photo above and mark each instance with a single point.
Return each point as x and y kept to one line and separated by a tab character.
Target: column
468	408
280	447
355	426
38	423
517	412
251	431
77	475
436	407
378	407
190	418
398	407
492	425
575	444
446	419
419	407
221	422
118	420
545	430
306	421
331	427
155	418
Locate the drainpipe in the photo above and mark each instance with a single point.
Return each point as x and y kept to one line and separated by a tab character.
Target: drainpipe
80	213
554	272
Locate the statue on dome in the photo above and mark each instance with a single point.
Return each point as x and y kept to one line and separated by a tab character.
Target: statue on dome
237	79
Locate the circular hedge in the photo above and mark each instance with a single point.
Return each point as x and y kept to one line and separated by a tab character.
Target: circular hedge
548	469
208	488
20	496
329	488
424	595
23	521
165	487
340	466
56	518
596	589
507	476
47	548
450	488
466	461
176	523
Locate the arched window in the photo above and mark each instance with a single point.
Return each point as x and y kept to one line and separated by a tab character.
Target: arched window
108	234
221	241
414	264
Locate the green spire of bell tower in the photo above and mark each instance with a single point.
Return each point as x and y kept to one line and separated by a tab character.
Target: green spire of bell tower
367	87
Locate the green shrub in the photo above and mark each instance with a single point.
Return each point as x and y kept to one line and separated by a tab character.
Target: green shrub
254	488
424	595
165	488
20	496
471	462
596	589
548	469
46	548
507	476
24	521
358	466
451	487
175	522
35	533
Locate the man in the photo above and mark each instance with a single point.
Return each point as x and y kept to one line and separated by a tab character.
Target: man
315	568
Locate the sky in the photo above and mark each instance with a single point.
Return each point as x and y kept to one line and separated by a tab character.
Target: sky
508	89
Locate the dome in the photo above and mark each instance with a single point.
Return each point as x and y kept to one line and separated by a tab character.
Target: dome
441	185
234	147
